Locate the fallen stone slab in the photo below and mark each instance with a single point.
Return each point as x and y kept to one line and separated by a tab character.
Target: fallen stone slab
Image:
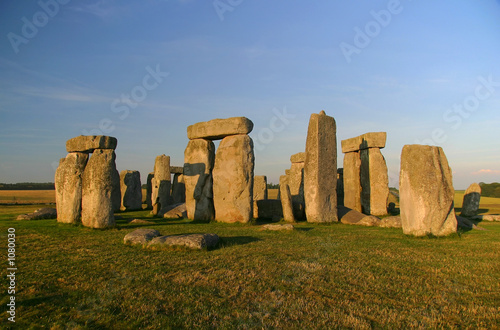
353	217
140	236
365	141
43	213
88	143
487	217
391	222
273	227
140	221
192	241
217	129
177	211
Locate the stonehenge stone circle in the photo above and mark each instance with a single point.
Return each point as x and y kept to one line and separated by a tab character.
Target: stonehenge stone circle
88	144
471	200
374	182
131	191
233	179
286	200
98	186
199	158
217	129
320	169
161	183
149	190
68	183
259	187
267	208
426	192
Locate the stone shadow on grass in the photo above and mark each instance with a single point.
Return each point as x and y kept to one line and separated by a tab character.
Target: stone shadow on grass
236	240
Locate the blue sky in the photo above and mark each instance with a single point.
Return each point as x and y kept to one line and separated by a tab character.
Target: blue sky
142	71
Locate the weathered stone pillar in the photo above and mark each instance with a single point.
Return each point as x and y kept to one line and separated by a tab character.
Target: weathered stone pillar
233	179
374	182
178	189
149	190
259	187
426	192
296	177
161	182
352	181
286	200
471	200
131	190
320	169
68	183
199	158
97	189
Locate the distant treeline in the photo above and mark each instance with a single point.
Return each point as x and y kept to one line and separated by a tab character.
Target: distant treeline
28	186
273	186
490	189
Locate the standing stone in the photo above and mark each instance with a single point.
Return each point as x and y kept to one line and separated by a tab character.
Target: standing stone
116	196
374	182
68	183
296	178
149	190
131	191
426	192
233	179
471	200
352	181
199	158
320	169
178	189
259	187
97	183
340	186
286	200
161	184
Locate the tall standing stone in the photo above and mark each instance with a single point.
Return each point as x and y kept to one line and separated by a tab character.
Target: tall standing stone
426	192
199	158
471	200
178	189
320	169
374	182
116	196
97	190
161	183
296	177
68	183
259	187
149	190
131	190
233	179
286	200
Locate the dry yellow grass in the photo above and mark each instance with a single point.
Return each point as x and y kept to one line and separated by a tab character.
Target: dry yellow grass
28	196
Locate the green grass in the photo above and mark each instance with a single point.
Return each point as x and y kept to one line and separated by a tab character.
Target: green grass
319	276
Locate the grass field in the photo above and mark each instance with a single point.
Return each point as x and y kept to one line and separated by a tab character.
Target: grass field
318	276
